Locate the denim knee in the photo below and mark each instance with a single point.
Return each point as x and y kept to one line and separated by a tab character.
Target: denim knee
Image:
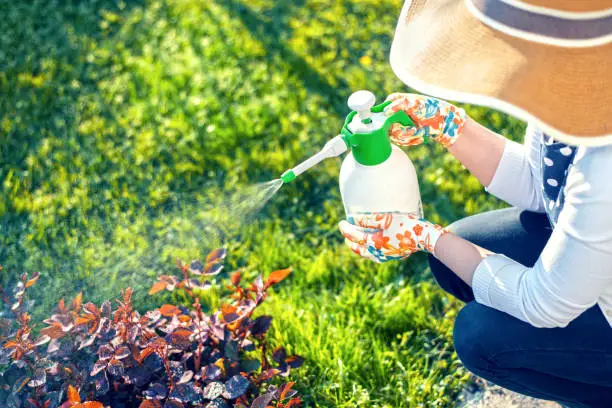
470	336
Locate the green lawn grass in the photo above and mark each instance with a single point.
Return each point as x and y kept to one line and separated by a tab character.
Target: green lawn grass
126	126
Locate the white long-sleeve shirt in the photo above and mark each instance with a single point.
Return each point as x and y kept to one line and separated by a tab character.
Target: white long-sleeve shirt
574	271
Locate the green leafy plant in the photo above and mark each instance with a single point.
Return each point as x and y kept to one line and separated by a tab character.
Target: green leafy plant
172	357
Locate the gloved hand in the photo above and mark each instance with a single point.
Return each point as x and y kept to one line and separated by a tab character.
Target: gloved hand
383	237
434	118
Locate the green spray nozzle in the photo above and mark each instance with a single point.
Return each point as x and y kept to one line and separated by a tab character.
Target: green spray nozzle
288	176
365	132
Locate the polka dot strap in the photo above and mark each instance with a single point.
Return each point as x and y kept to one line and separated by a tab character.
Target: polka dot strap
556	161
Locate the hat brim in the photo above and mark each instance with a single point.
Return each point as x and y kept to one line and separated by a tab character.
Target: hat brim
441	49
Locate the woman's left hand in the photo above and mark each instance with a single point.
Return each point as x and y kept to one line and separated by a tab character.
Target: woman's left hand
383	237
433	118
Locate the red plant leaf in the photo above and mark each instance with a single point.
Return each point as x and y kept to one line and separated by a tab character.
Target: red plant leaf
105	309
267	374
150	404
186	377
277	276
181	338
294	361
236	386
196	267
234	322
77	302
91	309
106	352
39	378
213	269
73	395
122	352
258	285
279	354
194	283
229	313
169	280
98	366
227	309
32	280
285	390
145	353
20	384
294	402
216	255
263	400
261	325
54	331
184	319
169	310
91	404
61	306
82	320
236	277
11	344
182	333
42	340
115	367
127	295
157	287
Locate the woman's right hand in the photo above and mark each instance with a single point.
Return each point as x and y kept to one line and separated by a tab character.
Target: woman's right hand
434	118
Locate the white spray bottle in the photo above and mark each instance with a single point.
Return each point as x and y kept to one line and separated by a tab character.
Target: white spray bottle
375	176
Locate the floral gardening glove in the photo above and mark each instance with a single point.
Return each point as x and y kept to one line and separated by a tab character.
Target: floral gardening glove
434	118
383	237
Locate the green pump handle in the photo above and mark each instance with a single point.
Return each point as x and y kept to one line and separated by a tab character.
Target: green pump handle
372	148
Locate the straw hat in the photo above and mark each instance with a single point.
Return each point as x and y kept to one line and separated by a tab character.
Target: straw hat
546	61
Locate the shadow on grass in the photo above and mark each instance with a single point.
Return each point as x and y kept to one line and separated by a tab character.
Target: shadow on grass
36	62
273	33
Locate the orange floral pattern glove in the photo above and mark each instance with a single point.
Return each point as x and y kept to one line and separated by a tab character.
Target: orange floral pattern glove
434	118
383	237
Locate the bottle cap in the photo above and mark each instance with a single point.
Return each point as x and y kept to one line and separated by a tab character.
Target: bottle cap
362	102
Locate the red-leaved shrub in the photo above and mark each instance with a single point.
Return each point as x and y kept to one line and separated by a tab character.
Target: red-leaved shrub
89	356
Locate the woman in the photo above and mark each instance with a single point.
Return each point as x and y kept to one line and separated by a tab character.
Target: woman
537	278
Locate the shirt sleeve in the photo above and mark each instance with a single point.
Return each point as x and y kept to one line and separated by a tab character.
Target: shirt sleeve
574	268
517	180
